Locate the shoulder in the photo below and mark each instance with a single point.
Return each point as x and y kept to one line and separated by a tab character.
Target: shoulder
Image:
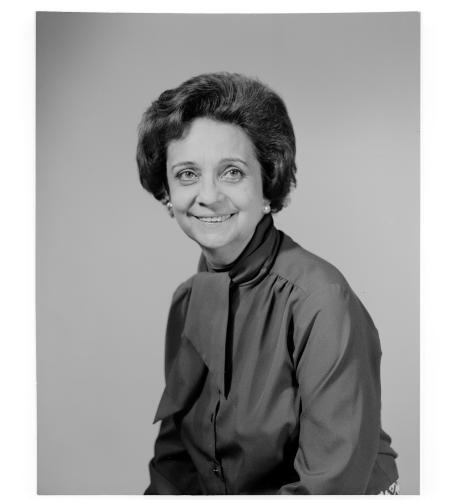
179	307
324	306
307	271
182	291
176	320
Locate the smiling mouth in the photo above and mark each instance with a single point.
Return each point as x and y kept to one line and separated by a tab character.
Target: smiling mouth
216	219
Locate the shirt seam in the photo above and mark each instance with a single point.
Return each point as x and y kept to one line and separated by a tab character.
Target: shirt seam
307	294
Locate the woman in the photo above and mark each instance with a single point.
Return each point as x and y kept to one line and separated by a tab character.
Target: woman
272	362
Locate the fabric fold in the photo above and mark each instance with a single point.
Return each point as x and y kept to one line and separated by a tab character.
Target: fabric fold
184	382
207	321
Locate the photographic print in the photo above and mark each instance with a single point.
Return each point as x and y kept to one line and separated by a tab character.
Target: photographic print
228	253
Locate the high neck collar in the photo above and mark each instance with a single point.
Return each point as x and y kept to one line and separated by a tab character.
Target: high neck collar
257	257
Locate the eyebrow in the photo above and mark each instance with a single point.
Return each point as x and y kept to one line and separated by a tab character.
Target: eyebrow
234	159
183	164
192	164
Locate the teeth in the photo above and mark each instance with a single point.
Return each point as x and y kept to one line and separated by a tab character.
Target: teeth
214	219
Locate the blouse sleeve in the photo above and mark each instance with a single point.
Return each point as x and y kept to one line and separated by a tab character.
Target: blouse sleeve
172	471
337	359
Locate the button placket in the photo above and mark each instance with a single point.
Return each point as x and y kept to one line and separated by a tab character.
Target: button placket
215	465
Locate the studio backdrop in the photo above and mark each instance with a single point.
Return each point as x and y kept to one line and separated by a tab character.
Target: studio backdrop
109	257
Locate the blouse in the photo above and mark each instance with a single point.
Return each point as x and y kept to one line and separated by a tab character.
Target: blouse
272	381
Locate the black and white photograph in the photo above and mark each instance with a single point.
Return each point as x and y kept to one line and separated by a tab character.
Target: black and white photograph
228	253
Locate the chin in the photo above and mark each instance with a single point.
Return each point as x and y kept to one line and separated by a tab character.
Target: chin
212	243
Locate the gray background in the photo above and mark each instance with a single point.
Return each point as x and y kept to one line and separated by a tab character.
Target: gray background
109	257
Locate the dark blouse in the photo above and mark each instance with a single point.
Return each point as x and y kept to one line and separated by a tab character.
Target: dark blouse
273	381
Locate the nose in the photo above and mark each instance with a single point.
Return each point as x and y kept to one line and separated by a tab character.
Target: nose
209	192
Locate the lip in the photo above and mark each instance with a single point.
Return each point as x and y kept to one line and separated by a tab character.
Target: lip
214	219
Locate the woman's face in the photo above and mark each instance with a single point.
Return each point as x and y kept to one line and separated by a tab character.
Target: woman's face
215	188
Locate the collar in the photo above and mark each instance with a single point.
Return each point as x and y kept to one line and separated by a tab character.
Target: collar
255	261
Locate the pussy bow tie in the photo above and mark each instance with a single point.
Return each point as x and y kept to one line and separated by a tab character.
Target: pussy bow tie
202	348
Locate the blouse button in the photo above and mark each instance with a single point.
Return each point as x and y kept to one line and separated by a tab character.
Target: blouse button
216	469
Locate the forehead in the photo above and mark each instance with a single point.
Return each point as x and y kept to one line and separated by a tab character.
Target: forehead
207	138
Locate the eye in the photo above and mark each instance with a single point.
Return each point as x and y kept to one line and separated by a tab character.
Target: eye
186	176
232	174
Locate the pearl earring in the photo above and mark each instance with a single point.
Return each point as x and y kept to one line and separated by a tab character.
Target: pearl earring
266	209
170	208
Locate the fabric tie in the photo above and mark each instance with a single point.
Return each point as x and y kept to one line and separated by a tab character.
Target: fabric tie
207	332
203	339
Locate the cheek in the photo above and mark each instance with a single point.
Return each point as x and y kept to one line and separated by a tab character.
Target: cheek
180	198
250	196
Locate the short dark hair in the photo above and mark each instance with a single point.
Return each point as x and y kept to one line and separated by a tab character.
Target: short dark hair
226	97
